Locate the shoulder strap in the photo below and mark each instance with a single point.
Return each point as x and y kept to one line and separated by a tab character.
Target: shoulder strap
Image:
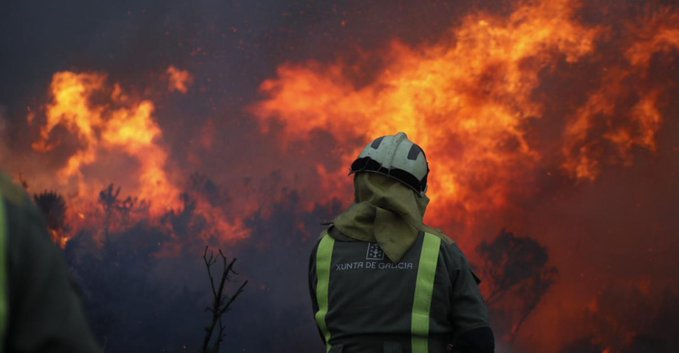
4	308
424	287
323	263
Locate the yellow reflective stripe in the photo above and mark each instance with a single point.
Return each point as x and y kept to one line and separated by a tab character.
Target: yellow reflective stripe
426	273
4	309
323	262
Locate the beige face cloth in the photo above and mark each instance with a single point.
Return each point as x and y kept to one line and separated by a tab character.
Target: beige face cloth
386	212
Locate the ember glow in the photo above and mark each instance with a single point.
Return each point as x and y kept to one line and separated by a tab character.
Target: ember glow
179	80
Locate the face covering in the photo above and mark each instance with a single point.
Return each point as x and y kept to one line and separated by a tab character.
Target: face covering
386	212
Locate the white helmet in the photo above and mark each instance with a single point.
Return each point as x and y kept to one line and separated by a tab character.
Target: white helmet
396	157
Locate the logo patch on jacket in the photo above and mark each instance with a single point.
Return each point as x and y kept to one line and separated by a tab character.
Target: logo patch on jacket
374	252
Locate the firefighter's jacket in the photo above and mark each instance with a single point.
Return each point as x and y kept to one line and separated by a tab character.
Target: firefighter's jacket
39	308
363	302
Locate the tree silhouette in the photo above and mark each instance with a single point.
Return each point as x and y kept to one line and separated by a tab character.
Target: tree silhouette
114	207
53	207
518	276
220	301
185	222
202	185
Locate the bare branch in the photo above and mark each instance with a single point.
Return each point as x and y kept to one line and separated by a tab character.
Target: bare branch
209	261
220	305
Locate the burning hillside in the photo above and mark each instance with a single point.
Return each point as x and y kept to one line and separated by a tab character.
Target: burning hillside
556	119
477	99
114	137
472	100
116	124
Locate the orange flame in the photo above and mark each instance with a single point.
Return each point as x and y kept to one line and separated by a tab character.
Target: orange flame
623	128
465	99
469	100
60	239
117	125
115	134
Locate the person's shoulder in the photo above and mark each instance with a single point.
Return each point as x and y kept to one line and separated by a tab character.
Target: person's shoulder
18	205
11	193
452	254
323	234
445	239
333	232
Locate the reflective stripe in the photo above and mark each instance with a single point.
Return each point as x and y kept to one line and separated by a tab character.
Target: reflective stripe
4	310
323	261
426	273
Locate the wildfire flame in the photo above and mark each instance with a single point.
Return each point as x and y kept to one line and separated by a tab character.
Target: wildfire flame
475	99
109	124
118	124
470	99
624	125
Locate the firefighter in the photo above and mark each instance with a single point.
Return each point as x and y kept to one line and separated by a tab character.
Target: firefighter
381	280
39	308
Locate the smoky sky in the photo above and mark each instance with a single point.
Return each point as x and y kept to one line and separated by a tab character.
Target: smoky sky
610	232
229	46
233	44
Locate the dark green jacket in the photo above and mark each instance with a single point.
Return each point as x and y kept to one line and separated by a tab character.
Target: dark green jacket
45	313
370	299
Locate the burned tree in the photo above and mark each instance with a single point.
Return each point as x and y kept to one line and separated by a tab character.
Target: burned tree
221	302
518	276
114	206
108	198
53	207
185	222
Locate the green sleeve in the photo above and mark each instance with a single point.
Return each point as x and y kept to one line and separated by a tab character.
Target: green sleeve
45	313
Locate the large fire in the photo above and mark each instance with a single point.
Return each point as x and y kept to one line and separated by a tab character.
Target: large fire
478	100
470	100
119	141
500	103
118	124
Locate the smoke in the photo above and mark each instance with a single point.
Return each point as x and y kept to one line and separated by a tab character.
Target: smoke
631	318
554	119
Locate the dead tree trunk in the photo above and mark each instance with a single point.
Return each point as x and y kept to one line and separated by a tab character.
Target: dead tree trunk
220	301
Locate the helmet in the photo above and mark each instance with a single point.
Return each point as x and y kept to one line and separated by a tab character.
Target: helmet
396	157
